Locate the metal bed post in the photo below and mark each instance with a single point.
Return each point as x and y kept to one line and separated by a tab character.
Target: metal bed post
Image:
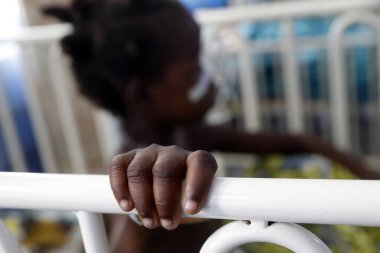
93	232
338	94
293	100
70	128
249	92
10	134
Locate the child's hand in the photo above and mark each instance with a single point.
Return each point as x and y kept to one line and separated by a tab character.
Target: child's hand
150	180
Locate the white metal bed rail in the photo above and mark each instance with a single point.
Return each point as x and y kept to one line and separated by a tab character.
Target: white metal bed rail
288	46
281	10
351	202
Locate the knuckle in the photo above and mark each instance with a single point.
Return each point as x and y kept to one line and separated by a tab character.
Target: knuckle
173	148
117	161
205	158
136	174
114	171
164	172
153	146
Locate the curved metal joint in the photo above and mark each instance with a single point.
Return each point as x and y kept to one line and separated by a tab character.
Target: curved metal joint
288	235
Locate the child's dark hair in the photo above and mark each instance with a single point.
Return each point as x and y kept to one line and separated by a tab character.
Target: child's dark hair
114	41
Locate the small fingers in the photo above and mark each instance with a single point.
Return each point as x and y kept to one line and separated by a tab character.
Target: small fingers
139	176
118	179
168	172
201	167
150	179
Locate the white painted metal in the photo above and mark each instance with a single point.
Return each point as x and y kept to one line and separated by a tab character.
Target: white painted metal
338	92
39	122
280	10
294	112
29	35
8	243
264	11
10	135
59	82
46	33
93	232
249	92
288	235
283	200
108	132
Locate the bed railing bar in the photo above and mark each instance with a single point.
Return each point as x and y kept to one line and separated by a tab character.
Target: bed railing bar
293	101
350	202
10	135
338	94
249	90
38	120
93	232
45	33
280	10
107	130
60	83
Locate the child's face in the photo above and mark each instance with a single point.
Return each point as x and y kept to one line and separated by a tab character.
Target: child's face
183	93
172	93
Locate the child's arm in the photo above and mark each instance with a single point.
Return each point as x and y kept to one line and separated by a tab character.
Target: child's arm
231	140
150	180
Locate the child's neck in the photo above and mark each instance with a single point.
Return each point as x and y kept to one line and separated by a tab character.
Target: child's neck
145	133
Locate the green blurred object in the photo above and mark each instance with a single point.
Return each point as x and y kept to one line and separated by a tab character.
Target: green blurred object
340	239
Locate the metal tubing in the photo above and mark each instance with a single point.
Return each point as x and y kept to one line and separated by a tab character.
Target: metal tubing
280	10
293	100
350	202
108	133
10	134
60	83
290	236
249	92
8	243
38	120
338	94
45	33
93	232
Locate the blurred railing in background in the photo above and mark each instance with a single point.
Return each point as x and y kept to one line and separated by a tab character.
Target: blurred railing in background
302	66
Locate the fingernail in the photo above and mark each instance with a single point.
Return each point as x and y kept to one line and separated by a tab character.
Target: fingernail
191	206
125	205
149	222
168	224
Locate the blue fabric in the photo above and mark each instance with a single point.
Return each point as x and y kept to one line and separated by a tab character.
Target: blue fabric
197	4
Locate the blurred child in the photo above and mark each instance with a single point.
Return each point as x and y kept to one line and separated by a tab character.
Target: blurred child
139	59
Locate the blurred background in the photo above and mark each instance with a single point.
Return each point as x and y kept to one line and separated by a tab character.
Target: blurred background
281	66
